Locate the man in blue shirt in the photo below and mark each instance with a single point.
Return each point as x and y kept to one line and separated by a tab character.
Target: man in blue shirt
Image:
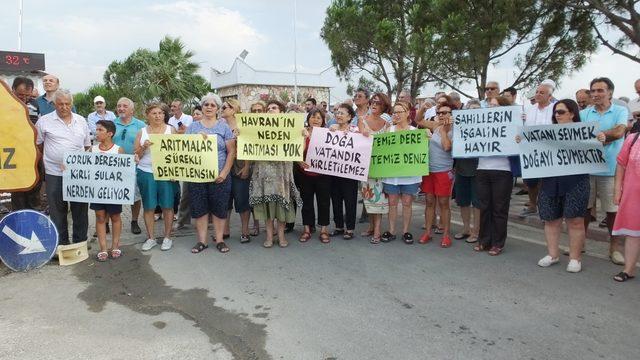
101	113
612	119
127	127
51	84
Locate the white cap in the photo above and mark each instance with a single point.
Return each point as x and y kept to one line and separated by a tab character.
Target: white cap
98	99
550	83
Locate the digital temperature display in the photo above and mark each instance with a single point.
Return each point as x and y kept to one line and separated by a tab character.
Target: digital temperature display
21	61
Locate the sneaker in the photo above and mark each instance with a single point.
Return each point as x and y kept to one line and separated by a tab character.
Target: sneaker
527	212
548	261
157	217
135	229
166	244
149	244
617	258
574	266
446	242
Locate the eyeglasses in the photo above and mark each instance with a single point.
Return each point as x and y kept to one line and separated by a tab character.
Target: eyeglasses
560	112
375	102
209	105
256	110
399	112
443	112
124	133
490	88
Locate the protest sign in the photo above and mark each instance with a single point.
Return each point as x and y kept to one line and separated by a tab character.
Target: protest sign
400	153
99	178
339	153
18	153
486	132
558	150
272	137
189	158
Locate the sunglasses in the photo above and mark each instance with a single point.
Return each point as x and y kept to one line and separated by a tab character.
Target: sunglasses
124	133
399	112
560	112
443	112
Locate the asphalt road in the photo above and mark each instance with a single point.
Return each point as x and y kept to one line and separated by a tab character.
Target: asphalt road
345	300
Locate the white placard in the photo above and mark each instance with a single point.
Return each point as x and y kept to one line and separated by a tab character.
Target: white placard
486	132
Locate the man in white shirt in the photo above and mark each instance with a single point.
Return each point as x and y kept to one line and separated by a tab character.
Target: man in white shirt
179	121
101	113
538	114
59	132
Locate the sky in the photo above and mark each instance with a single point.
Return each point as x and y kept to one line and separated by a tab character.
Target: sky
81	38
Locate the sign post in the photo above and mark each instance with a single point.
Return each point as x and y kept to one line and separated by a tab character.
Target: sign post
28	240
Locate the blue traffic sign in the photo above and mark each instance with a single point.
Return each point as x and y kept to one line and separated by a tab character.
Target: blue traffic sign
28	240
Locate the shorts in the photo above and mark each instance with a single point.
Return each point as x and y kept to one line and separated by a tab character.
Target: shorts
602	187
465	188
438	183
155	193
111	209
407	189
136	193
571	205
531	182
239	195
210	198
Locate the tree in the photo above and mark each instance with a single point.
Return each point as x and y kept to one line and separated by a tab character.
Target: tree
621	16
381	38
363	83
84	101
164	75
544	38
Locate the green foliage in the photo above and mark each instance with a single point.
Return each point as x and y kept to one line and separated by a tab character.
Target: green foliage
363	83
84	101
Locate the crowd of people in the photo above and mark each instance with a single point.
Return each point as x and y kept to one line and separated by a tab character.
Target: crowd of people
273	192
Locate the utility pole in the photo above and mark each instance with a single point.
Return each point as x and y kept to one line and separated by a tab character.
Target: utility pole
20	25
295	53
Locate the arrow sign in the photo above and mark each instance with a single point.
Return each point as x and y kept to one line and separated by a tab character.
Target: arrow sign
30	246
28	240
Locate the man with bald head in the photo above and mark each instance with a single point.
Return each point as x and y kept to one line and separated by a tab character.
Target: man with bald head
583	98
51	84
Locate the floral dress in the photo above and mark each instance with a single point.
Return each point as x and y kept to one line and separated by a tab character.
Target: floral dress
374	199
627	217
272	191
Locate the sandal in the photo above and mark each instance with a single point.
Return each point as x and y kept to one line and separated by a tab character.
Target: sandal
461	236
324	238
471	240
375	240
268	243
222	247
283	244
116	253
305	237
244	239
622	277
367	233
408	238
387	236
337	232
254	232
102	256
348	235
438	230
198	247
495	251
481	247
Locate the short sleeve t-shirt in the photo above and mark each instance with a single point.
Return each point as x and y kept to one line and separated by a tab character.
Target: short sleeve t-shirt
125	135
439	159
614	116
224	133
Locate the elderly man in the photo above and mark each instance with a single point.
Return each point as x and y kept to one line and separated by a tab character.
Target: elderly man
101	113
583	98
612	119
179	120
538	114
51	84
22	88
491	90
59	132
127	127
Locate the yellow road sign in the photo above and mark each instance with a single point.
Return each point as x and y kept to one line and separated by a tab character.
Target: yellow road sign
18	152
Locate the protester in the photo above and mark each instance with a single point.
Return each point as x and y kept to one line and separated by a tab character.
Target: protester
101	113
494	182
180	121
59	132
272	191
154	192
539	114
564	197
510	94
212	198
314	185
196	113
466	193
583	98
30	199
400	188
438	184
344	192
373	197
240	177
127	128
104	131
45	102
491	90
456	102
405	95
634	108
310	104
612	120
627	197
256	108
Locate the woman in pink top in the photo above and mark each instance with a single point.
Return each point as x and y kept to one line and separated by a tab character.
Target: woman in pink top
627	197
